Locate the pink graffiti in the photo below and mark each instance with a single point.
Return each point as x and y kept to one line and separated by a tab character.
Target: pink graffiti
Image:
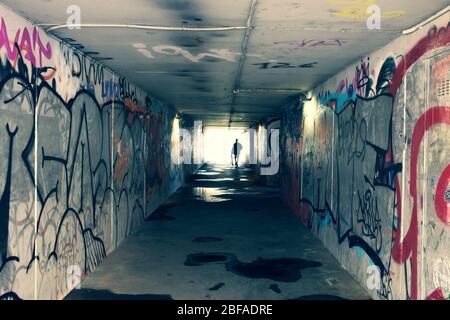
360	82
436	295
27	42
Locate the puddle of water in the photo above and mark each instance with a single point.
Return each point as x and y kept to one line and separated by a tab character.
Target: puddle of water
274	287
217	287
282	269
210	194
198	259
207	173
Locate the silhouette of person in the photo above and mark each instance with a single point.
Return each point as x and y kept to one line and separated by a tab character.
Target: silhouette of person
237	147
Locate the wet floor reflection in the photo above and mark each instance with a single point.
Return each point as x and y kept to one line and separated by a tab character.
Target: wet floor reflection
227	227
210	194
214	180
281	269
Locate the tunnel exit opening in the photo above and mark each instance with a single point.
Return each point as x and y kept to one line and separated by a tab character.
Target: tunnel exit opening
218	145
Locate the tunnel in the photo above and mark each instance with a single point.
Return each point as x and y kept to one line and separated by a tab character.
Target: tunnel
224	150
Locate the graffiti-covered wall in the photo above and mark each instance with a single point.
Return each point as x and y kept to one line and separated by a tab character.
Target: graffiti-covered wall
366	166
85	157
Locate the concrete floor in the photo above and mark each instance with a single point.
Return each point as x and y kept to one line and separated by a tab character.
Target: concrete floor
221	237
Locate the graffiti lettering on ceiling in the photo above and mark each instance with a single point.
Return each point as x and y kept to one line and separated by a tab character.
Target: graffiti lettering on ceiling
357	10
314	43
284	65
217	54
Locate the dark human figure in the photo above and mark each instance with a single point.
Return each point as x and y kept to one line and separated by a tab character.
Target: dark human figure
237	147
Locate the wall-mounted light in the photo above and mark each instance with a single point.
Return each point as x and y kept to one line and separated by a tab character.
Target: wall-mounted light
303	97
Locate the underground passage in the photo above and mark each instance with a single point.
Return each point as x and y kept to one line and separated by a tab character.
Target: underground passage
207	150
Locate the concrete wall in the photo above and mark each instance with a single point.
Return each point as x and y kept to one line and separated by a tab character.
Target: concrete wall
84	158
365	165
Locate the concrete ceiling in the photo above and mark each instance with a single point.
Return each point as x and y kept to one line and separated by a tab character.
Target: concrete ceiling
237	76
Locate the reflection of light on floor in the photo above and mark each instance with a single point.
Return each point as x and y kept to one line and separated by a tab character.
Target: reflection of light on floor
222	179
215	180
210	194
209	173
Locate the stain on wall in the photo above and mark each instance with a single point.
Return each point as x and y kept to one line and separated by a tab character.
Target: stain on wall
365	166
75	140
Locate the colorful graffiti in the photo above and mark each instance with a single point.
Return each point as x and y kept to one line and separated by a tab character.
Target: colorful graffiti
30	43
75	194
362	154
84	161
360	85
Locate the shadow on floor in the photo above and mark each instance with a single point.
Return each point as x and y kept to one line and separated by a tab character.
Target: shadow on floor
91	294
221	236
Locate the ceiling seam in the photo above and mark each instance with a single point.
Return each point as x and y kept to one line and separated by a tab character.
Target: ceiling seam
237	82
55	26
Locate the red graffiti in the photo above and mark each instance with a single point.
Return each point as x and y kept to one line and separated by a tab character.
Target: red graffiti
436	295
402	249
436	115
441	68
442	197
134	108
435	39
156	172
122	163
25	42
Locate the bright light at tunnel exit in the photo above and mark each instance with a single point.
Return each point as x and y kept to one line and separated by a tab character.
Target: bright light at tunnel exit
218	144
175	140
